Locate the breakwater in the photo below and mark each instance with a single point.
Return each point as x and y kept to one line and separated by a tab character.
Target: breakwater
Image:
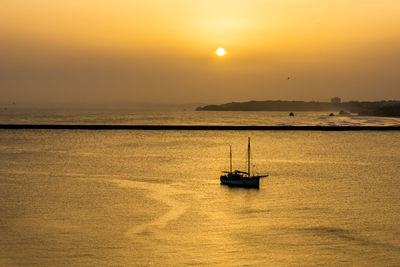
196	127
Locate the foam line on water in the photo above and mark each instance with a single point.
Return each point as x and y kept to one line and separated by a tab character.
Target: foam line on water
160	192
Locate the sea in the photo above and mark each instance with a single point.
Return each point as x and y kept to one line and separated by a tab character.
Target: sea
153	198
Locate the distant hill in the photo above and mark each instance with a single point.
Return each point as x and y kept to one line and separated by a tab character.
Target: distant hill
385	111
278	105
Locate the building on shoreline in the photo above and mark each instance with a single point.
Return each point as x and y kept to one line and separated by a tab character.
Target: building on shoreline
336	100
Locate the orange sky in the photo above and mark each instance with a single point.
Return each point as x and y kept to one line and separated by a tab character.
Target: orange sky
164	51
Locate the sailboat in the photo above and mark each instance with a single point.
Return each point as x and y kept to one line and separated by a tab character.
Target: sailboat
241	178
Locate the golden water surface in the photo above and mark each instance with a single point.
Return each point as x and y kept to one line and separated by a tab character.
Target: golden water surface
121	198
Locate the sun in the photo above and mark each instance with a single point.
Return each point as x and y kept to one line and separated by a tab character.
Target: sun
220	52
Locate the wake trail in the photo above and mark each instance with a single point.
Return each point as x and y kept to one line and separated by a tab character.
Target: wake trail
163	193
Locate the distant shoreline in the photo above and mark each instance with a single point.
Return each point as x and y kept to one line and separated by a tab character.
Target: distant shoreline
389	108
195	127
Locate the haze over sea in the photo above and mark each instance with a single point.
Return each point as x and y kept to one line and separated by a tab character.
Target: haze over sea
126	198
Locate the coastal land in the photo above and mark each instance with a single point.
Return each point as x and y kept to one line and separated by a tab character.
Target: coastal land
389	108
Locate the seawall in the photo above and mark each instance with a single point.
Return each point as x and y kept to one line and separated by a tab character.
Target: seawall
195	127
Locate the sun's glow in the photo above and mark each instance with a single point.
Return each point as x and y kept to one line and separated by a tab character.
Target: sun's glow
220	52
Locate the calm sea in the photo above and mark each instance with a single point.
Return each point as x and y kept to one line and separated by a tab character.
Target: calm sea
125	198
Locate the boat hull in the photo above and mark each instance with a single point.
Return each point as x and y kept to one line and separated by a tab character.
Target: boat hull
253	182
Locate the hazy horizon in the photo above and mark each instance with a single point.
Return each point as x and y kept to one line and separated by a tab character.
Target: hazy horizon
149	105
159	52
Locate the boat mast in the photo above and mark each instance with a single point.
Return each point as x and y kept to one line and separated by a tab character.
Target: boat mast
248	158
230	156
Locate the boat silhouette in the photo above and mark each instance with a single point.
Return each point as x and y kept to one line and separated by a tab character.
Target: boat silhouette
241	178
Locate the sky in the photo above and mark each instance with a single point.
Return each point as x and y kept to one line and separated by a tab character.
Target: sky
158	51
